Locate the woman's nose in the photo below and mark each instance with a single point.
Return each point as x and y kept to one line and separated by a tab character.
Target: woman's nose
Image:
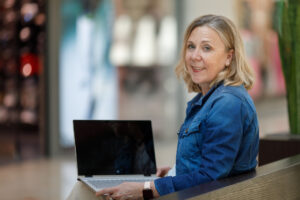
196	55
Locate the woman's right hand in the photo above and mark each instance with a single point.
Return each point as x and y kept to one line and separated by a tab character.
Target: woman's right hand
162	171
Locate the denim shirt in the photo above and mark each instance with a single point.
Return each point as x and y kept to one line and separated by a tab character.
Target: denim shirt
218	138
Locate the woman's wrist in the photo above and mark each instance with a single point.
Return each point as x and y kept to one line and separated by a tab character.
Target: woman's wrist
153	188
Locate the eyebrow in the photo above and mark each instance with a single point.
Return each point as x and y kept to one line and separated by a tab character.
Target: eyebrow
203	41
208	41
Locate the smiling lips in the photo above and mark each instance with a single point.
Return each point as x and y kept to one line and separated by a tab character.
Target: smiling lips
197	69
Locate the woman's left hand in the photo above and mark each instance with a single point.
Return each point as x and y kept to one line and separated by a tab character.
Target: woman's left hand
126	190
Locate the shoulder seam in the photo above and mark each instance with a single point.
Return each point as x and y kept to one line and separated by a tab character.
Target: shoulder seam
242	98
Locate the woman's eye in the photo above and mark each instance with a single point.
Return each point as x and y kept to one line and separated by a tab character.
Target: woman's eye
206	48
190	46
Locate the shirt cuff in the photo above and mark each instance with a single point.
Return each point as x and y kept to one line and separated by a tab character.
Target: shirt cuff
164	185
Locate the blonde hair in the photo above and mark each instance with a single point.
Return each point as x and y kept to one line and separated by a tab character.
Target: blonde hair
238	72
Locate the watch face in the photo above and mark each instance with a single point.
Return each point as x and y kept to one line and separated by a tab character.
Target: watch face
147	194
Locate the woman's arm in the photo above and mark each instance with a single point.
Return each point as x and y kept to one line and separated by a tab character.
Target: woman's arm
127	190
220	146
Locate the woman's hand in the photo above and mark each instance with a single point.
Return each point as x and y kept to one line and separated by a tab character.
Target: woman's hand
162	171
126	190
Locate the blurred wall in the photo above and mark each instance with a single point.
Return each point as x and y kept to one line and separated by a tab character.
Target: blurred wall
195	8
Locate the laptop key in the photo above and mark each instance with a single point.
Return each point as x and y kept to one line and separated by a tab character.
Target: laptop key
105	183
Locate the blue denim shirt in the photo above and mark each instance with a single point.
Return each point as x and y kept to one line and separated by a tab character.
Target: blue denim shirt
218	138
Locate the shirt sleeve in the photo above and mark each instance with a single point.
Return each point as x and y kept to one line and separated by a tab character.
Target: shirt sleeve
221	143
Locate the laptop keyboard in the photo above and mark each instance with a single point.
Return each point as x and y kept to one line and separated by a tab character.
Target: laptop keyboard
105	183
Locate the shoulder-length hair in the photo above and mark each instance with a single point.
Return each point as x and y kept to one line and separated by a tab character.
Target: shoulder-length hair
238	72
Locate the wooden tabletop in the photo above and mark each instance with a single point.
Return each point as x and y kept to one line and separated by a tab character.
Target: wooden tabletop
277	180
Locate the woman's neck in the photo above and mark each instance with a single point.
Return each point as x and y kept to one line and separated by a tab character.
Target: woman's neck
204	88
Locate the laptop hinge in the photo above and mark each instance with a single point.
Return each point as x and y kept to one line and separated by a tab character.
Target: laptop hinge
88	176
147	174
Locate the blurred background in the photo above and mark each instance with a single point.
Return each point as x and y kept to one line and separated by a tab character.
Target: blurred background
110	59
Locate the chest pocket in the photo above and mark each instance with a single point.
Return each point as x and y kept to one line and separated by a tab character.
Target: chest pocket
190	140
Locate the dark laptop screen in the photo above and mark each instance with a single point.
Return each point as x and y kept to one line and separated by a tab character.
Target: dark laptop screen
114	147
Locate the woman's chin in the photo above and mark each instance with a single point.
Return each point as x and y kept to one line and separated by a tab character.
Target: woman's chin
197	81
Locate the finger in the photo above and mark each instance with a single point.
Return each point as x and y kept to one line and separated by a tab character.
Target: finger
106	191
162	171
158	173
116	197
107	197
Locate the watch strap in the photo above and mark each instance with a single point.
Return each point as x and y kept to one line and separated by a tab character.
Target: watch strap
147	192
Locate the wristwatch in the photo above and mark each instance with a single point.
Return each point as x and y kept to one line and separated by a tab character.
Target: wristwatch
147	192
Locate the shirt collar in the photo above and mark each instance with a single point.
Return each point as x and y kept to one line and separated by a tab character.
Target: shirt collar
200	99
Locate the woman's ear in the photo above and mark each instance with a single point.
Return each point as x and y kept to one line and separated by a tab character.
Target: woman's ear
229	57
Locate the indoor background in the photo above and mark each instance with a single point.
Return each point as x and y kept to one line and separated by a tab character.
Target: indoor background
102	59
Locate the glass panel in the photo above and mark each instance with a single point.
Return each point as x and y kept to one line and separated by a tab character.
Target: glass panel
87	82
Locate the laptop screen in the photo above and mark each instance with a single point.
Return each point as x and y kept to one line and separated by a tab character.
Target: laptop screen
114	147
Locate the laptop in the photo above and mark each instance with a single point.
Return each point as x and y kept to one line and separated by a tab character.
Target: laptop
110	152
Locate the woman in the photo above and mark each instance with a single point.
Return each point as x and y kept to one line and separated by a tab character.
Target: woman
219	136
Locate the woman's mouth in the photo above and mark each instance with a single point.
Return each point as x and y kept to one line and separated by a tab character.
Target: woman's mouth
197	69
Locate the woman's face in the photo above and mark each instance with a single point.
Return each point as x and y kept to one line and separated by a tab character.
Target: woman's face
205	56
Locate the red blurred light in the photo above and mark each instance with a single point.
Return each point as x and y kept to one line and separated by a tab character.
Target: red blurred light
29	64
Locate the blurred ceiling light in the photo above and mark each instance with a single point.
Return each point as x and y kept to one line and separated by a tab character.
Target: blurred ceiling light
10	100
28	116
28	11
10	17
40	19
122	28
144	45
167	41
9	3
120	50
29	64
120	54
27	70
25	33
